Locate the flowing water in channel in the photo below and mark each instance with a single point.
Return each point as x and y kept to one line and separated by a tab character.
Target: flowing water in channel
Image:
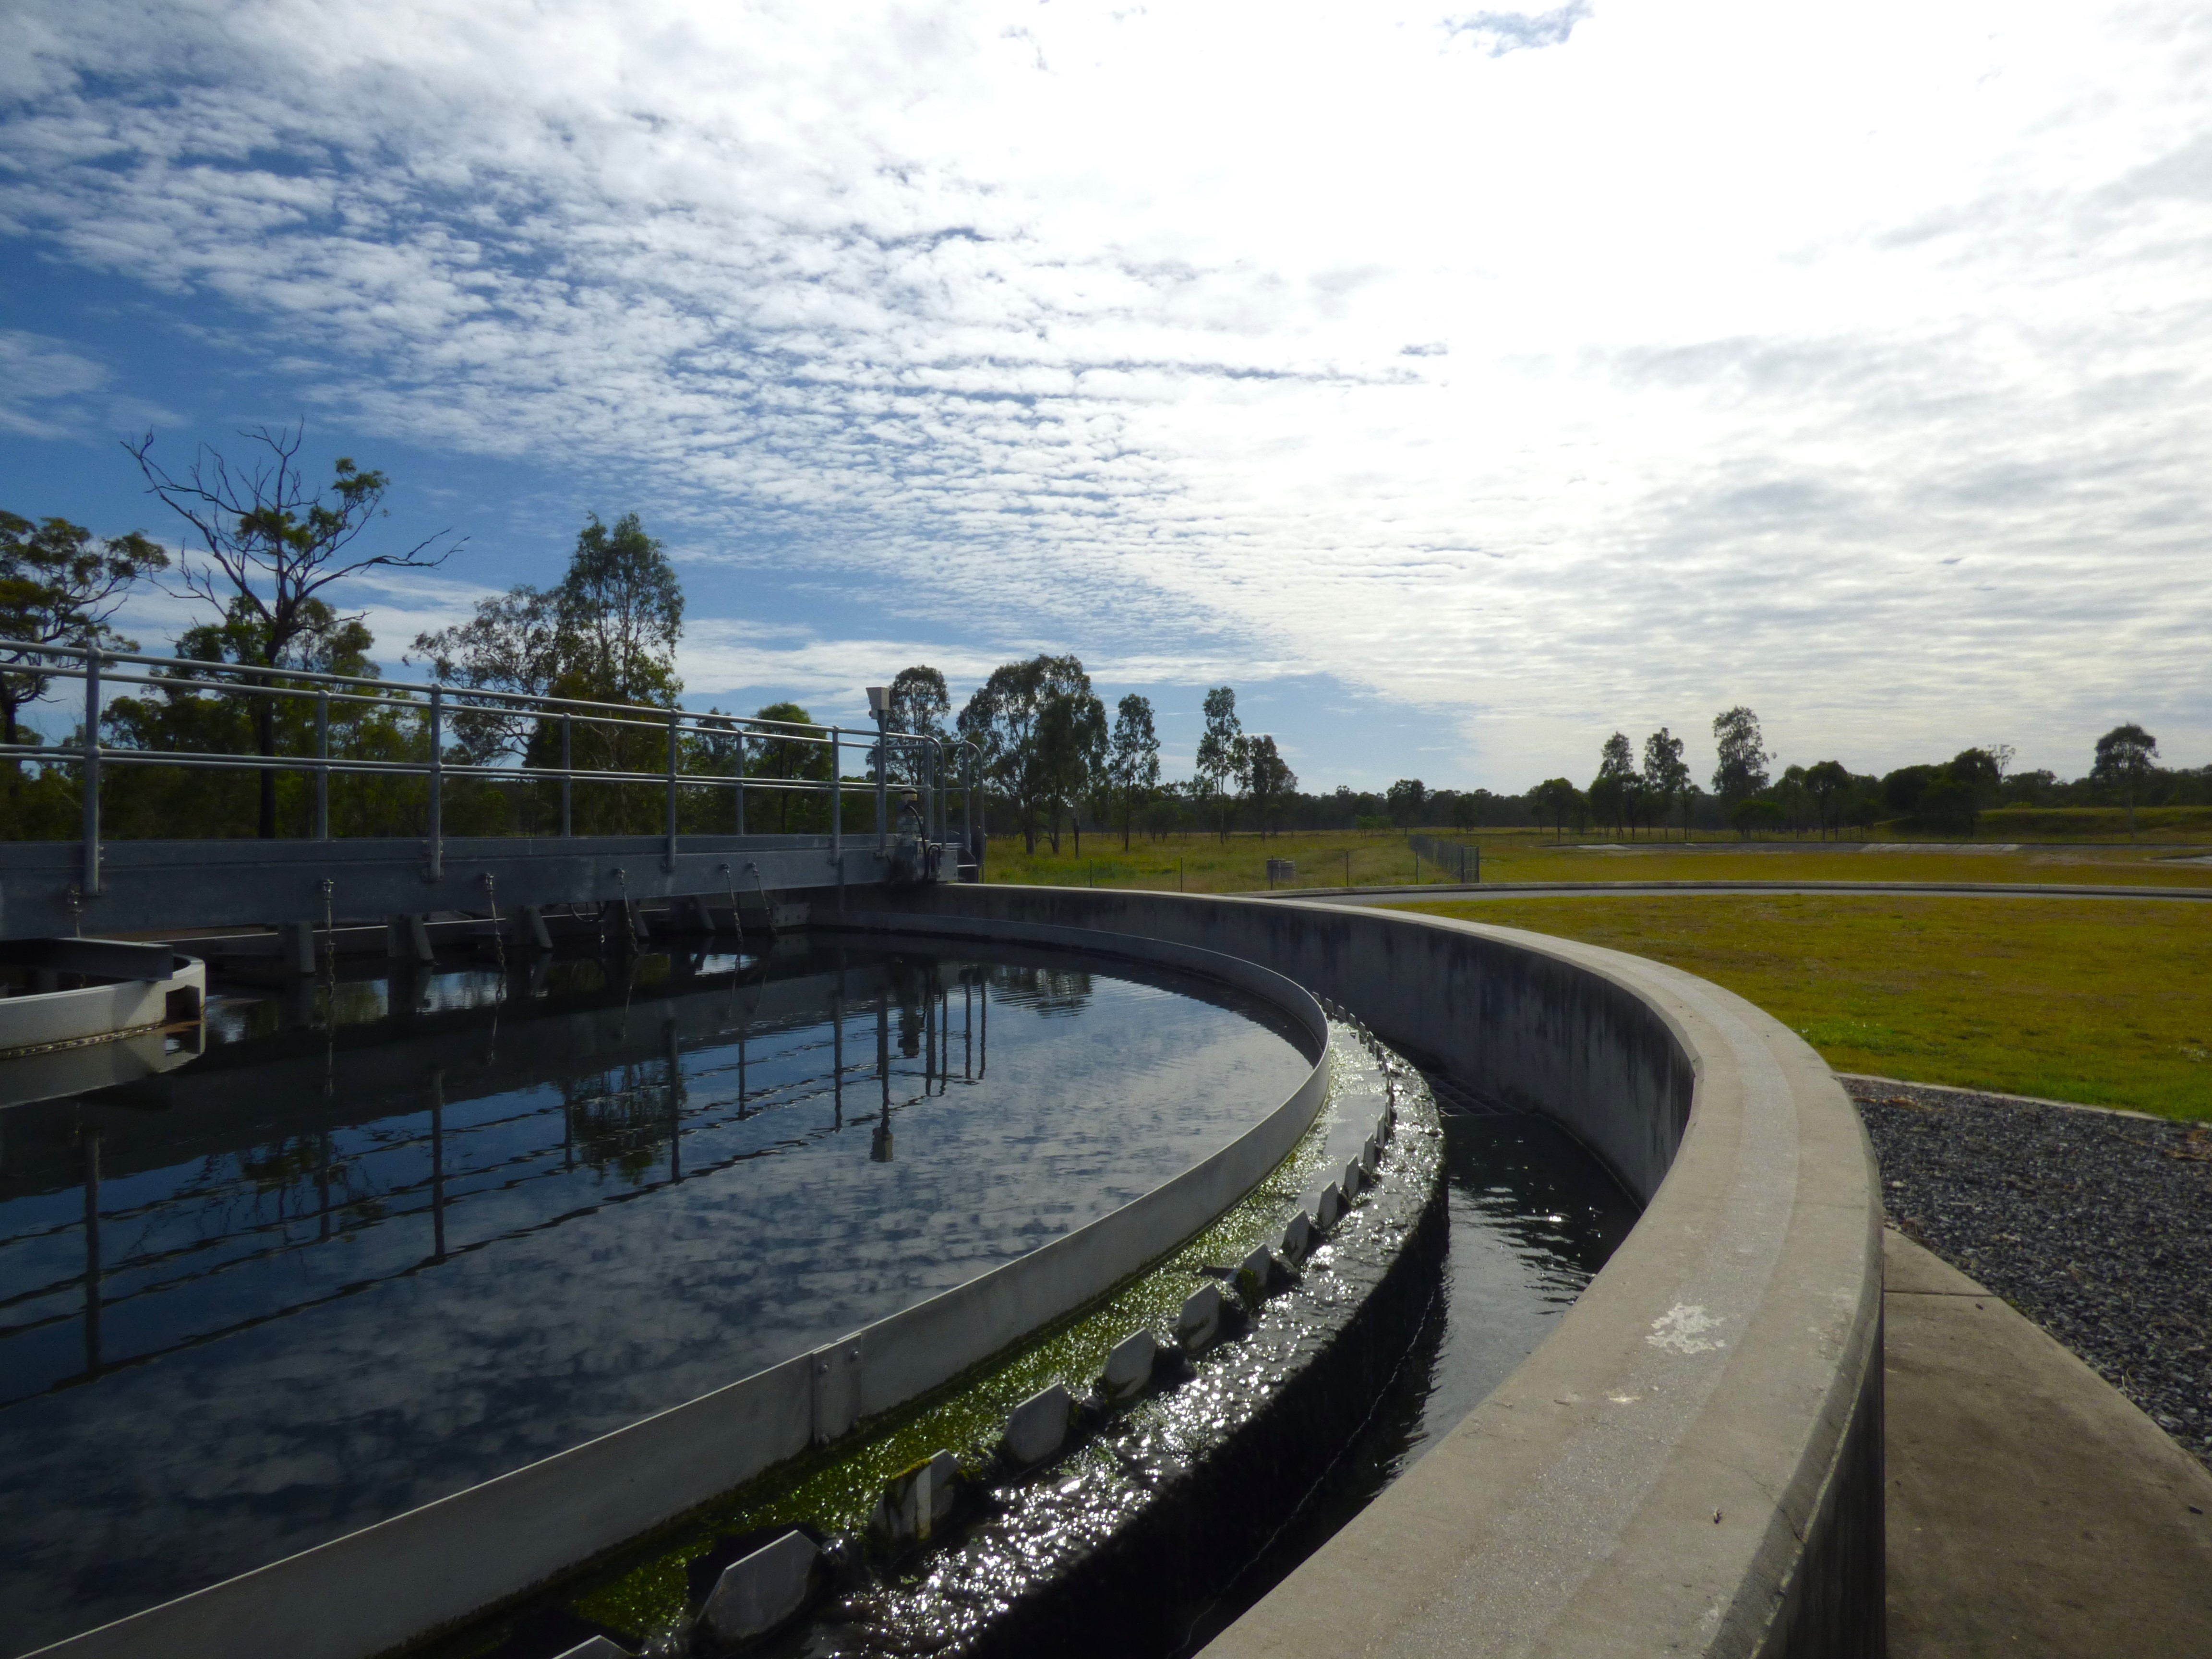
338	1267
1533	1216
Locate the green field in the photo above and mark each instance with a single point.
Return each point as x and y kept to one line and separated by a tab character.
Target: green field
2102	1001
1205	864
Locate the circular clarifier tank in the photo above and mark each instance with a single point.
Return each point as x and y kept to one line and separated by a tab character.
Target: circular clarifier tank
336	1270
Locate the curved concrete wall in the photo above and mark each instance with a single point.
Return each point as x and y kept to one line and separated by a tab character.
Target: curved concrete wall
433	1567
1692	1462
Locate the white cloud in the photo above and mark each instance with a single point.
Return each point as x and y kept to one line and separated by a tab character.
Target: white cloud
1125	328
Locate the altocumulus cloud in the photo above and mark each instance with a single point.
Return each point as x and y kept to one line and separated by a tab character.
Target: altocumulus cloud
1868	386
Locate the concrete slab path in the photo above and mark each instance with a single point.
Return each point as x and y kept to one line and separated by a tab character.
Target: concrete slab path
2032	1510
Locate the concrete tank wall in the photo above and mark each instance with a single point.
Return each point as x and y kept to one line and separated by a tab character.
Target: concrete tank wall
1692	1462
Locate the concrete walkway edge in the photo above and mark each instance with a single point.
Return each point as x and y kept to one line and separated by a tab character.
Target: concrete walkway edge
2032	1510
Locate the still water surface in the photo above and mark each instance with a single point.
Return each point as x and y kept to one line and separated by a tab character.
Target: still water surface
324	1275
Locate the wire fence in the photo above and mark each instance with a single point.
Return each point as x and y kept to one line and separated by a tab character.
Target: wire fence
1453	859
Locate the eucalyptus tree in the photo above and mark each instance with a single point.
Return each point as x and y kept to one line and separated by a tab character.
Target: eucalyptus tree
1004	719
607	633
1666	776
1265	775
917	705
1217	753
1133	759
1407	799
1740	771
1071	755
1827	782
2124	757
57	588
1613	791
1558	800
271	543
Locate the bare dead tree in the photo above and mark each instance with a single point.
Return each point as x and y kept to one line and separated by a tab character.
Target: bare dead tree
272	544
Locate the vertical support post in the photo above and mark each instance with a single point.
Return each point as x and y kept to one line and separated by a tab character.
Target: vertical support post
438	796
323	765
837	798
91	876
883	782
741	783
568	763
675	750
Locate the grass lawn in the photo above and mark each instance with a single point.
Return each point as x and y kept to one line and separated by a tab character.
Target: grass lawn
2101	1001
1205	864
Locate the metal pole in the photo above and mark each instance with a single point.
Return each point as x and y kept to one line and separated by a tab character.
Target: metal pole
675	748
323	771
438	804
92	776
568	763
883	782
741	783
837	793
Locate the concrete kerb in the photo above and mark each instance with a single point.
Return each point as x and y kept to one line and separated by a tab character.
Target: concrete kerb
429	1570
1693	1460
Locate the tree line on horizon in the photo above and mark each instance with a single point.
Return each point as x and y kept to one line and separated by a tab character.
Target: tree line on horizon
1050	760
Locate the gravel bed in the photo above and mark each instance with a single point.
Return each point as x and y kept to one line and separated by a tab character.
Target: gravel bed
2096	1225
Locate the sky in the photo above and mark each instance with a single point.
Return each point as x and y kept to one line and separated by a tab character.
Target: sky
1460	385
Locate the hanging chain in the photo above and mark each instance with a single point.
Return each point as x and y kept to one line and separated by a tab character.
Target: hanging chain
737	918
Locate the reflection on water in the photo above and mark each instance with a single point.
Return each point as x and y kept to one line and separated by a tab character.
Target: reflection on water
464	1220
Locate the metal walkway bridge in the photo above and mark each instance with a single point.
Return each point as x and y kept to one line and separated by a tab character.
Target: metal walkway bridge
430	738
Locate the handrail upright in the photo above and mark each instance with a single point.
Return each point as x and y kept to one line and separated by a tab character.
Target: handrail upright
91	878
675	750
568	766
323	771
437	782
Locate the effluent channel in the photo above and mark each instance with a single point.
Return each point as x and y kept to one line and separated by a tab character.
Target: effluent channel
391	1237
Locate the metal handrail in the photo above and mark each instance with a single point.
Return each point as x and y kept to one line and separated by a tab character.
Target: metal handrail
433	701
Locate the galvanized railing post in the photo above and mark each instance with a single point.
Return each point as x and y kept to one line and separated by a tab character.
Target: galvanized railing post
437	782
883	782
567	764
323	766
836	794
91	878
675	750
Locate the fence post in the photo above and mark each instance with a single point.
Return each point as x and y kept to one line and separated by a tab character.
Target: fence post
91	877
323	770
741	783
883	782
675	748
568	763
437	782
837	793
